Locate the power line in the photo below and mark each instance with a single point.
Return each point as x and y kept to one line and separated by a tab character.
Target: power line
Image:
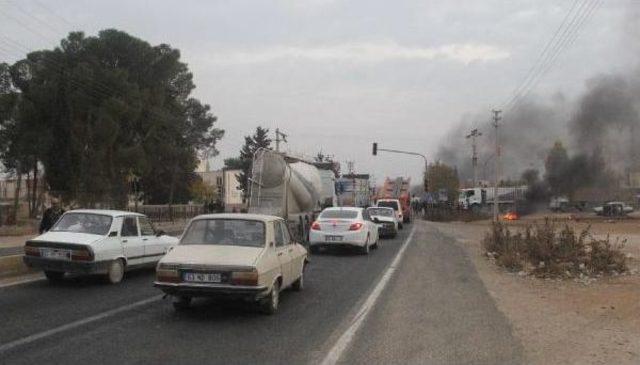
38	20
567	43
542	54
564	36
556	47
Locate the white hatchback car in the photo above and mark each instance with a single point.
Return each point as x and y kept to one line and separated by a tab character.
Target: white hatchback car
88	242
243	256
344	226
387	220
395	204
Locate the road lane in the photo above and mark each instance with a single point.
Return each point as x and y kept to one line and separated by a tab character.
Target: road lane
38	306
436	311
209	332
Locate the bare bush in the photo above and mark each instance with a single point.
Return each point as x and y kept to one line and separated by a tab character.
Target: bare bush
550	251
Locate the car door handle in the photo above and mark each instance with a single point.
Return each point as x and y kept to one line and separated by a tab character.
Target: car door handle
124	241
279	253
145	239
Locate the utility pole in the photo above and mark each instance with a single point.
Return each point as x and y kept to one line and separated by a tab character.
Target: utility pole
350	167
496	119
280	137
474	157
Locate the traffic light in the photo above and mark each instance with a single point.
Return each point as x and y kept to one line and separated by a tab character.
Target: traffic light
375	148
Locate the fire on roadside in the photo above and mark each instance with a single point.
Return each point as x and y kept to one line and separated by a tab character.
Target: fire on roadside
511	216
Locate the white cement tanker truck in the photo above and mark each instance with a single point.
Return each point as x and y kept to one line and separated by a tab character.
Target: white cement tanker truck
286	187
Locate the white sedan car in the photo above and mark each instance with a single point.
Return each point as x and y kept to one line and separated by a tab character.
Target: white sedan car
106	242
344	226
243	256
386	219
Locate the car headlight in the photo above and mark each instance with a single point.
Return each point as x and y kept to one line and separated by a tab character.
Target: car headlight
248	278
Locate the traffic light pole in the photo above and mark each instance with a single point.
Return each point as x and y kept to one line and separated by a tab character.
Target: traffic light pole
426	165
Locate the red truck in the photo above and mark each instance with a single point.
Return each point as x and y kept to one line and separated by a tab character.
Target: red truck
398	188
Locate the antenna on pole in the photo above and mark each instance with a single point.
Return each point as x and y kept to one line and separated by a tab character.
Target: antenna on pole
280	137
474	158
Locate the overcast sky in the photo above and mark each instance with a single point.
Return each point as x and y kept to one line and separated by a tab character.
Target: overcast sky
337	75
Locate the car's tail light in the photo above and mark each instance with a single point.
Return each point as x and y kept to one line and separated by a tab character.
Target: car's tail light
167	274
81	255
247	278
315	226
31	251
355	226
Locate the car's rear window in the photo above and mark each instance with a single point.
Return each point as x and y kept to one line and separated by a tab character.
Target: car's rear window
339	214
83	223
381	212
388	204
229	232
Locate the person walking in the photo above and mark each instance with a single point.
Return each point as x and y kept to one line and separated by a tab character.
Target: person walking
51	215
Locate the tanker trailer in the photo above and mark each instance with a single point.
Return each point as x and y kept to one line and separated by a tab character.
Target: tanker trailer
285	187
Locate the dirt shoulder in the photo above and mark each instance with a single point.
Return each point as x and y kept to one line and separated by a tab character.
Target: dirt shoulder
563	322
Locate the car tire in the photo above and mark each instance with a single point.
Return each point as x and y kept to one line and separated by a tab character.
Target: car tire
269	305
115	273
181	303
376	245
365	249
298	285
54	276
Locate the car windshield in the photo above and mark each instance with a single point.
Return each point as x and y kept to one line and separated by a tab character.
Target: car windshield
339	214
83	223
388	204
228	232
380	212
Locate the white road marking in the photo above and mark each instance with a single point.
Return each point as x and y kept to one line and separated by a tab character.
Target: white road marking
38	336
345	339
22	281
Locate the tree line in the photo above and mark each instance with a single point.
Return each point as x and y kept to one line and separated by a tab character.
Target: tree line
98	112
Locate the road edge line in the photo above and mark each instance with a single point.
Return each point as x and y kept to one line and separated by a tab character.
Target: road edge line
38	336
21	281
343	342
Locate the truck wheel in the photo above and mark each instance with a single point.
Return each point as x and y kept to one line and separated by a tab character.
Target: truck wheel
54	276
181	303
116	271
269	305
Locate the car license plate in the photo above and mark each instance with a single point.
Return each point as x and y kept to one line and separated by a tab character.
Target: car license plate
199	277
333	238
54	254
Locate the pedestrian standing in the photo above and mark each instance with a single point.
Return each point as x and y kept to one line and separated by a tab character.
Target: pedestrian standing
51	215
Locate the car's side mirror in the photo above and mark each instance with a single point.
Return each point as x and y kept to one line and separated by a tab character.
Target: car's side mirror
113	234
160	233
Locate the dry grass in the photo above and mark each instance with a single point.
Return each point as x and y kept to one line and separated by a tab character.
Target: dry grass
549	250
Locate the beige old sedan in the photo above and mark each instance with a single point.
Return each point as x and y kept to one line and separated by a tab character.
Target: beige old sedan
241	256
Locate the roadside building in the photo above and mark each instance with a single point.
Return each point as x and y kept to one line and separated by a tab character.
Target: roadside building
354	190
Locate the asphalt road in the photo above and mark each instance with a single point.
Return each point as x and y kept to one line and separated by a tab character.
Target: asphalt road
85	321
